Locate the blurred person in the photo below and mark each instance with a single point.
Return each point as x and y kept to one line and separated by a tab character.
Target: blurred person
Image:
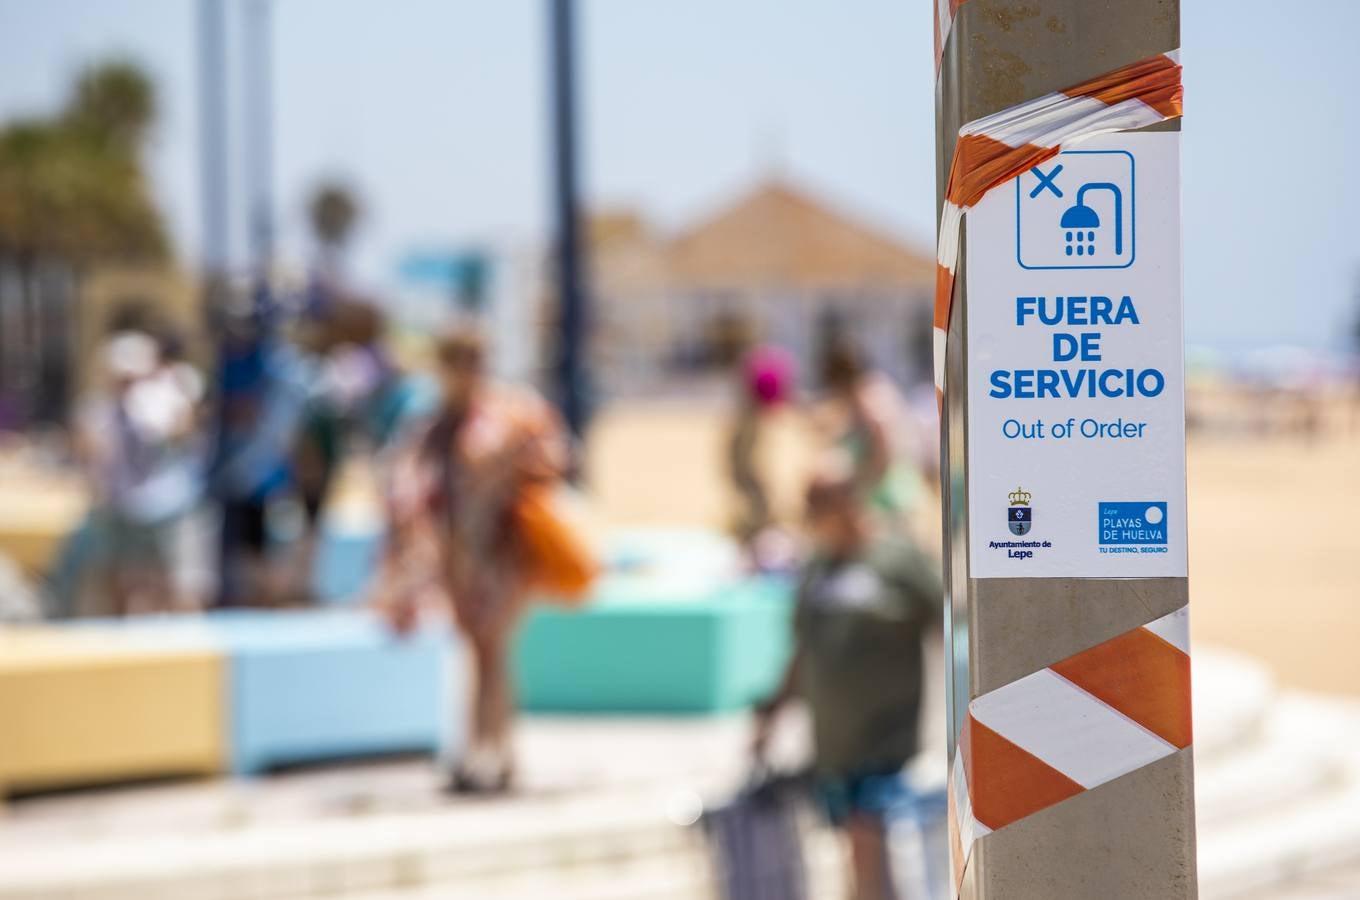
767	379
20	602
174	367
130	436
1351	368
262	385
175	391
463	515
358	393
864	601
871	422
318	443
379	399
69	582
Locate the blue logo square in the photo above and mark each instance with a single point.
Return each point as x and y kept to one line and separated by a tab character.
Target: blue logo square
1132	522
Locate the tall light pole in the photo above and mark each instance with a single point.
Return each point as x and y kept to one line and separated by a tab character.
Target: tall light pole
573	303
259	74
212	142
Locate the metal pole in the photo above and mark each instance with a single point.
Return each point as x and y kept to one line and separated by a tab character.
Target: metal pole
1132	837
573	304
260	131
212	139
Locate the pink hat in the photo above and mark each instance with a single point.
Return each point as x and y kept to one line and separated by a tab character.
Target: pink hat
769	374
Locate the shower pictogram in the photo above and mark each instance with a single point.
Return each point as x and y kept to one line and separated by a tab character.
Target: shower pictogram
1077	212
1081	221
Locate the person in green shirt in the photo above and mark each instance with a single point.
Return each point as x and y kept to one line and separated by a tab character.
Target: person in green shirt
865	599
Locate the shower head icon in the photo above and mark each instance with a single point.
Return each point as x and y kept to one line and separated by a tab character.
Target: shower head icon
1083	220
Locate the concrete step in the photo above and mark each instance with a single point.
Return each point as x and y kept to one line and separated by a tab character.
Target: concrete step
1273	770
679	876
1304	748
1334	884
1232	695
1248	849
460	844
1309	841
607	848
597	794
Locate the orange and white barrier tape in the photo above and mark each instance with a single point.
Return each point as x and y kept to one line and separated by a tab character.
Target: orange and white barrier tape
945	10
994	149
1070	727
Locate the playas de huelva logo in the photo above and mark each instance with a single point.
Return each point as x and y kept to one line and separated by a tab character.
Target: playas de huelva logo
1132	522
1019	516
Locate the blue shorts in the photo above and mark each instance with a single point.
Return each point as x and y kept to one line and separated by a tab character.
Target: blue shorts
875	796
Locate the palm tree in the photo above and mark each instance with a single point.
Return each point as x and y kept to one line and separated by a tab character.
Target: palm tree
333	211
72	188
113	103
72	192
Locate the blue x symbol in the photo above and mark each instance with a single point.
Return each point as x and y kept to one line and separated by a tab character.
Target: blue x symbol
1046	181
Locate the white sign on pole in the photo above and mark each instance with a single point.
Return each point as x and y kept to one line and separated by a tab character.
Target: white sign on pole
1076	399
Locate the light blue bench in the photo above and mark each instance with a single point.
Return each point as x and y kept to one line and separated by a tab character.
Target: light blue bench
346	564
311	685
307	686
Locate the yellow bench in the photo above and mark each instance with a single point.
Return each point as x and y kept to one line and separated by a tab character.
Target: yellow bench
84	708
39	511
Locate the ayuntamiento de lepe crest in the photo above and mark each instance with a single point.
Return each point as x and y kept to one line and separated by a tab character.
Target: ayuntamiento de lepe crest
1019	516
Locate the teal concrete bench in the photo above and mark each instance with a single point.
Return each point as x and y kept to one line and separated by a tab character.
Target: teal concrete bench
671	629
649	646
349	553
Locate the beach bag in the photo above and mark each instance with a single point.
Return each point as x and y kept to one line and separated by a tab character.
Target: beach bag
561	564
756	843
918	845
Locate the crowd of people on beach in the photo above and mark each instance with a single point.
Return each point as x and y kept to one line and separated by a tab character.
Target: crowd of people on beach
867	594
171	451
470	473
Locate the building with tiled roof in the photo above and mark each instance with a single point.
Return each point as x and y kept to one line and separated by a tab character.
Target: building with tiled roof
777	265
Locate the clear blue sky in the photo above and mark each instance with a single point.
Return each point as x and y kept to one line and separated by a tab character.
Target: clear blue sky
435	109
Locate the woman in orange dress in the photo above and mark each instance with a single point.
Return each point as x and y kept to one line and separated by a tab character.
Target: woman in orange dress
456	500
